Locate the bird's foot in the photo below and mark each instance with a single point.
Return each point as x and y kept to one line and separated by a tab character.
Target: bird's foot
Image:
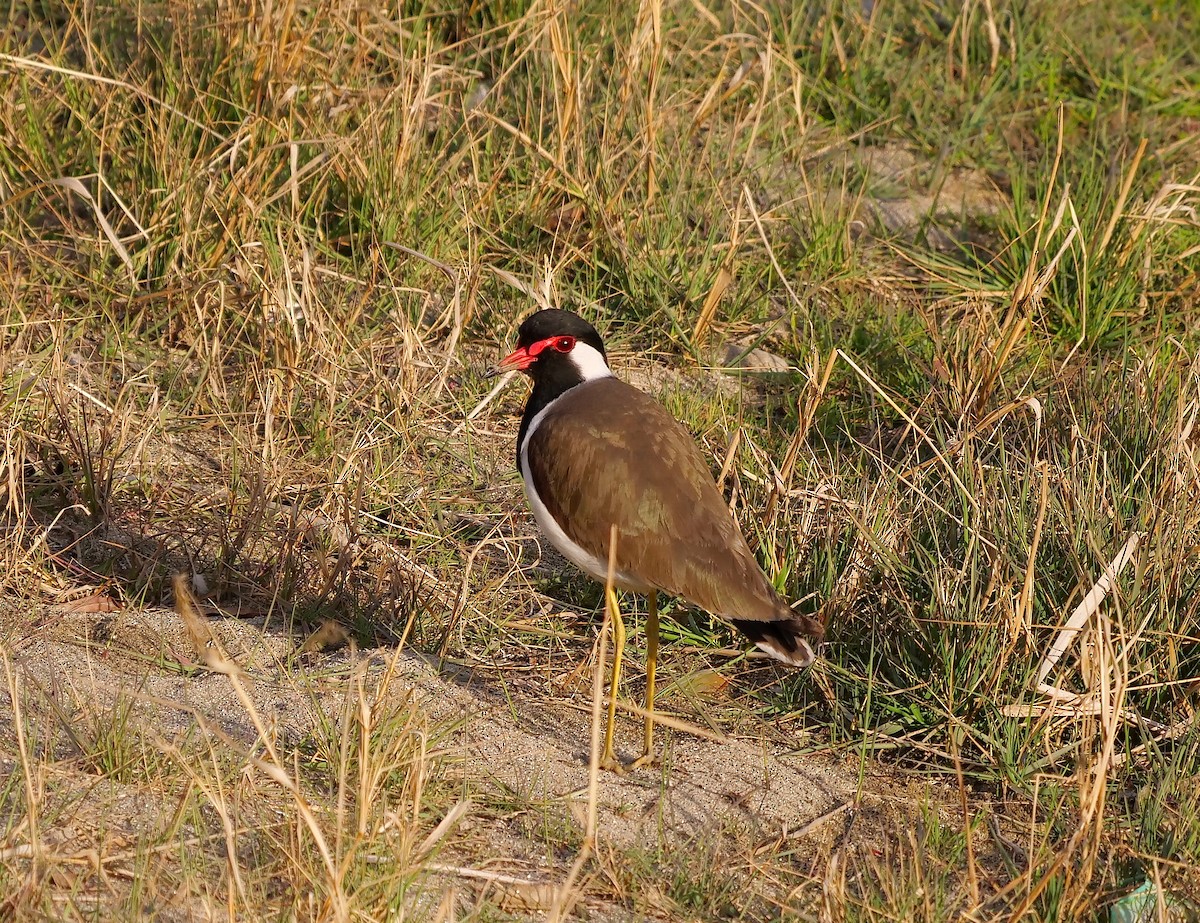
610	763
649	758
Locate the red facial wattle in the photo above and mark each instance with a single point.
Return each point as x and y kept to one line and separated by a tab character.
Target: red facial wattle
521	359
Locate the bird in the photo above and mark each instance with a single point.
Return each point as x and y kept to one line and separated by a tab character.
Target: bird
601	460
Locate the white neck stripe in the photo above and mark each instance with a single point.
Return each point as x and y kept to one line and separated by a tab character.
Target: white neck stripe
589	361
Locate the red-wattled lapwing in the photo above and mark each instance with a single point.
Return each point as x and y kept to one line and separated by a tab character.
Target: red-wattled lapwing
595	452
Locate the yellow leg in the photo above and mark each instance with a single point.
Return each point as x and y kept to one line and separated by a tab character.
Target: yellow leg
647	757
608	760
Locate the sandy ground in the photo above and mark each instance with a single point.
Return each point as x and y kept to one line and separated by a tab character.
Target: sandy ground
502	743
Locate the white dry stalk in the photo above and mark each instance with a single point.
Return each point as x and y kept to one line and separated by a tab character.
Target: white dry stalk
479	408
447	823
662	719
35	64
73	184
1091	602
464	589
748	198
523	287
869	548
1024	612
29	775
218	661
563	898
1075	705
482	875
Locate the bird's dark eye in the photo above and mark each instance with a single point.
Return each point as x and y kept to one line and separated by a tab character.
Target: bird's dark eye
564	344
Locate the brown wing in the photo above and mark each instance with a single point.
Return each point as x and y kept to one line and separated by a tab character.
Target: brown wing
607	453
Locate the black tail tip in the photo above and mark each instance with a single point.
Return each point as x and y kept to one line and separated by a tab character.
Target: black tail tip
789	640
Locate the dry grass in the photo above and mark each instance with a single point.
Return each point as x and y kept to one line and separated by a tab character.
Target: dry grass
250	264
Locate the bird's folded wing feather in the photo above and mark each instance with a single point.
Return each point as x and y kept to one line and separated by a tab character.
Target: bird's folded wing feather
607	453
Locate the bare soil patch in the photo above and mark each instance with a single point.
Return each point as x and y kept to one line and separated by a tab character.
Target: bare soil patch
518	756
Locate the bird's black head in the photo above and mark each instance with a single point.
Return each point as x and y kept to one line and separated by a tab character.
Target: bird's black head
558	350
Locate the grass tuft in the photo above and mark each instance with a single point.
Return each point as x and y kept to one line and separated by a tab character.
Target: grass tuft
252	264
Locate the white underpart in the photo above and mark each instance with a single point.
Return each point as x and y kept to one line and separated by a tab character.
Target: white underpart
591	367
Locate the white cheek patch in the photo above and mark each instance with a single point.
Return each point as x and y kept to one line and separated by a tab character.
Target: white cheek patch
589	362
